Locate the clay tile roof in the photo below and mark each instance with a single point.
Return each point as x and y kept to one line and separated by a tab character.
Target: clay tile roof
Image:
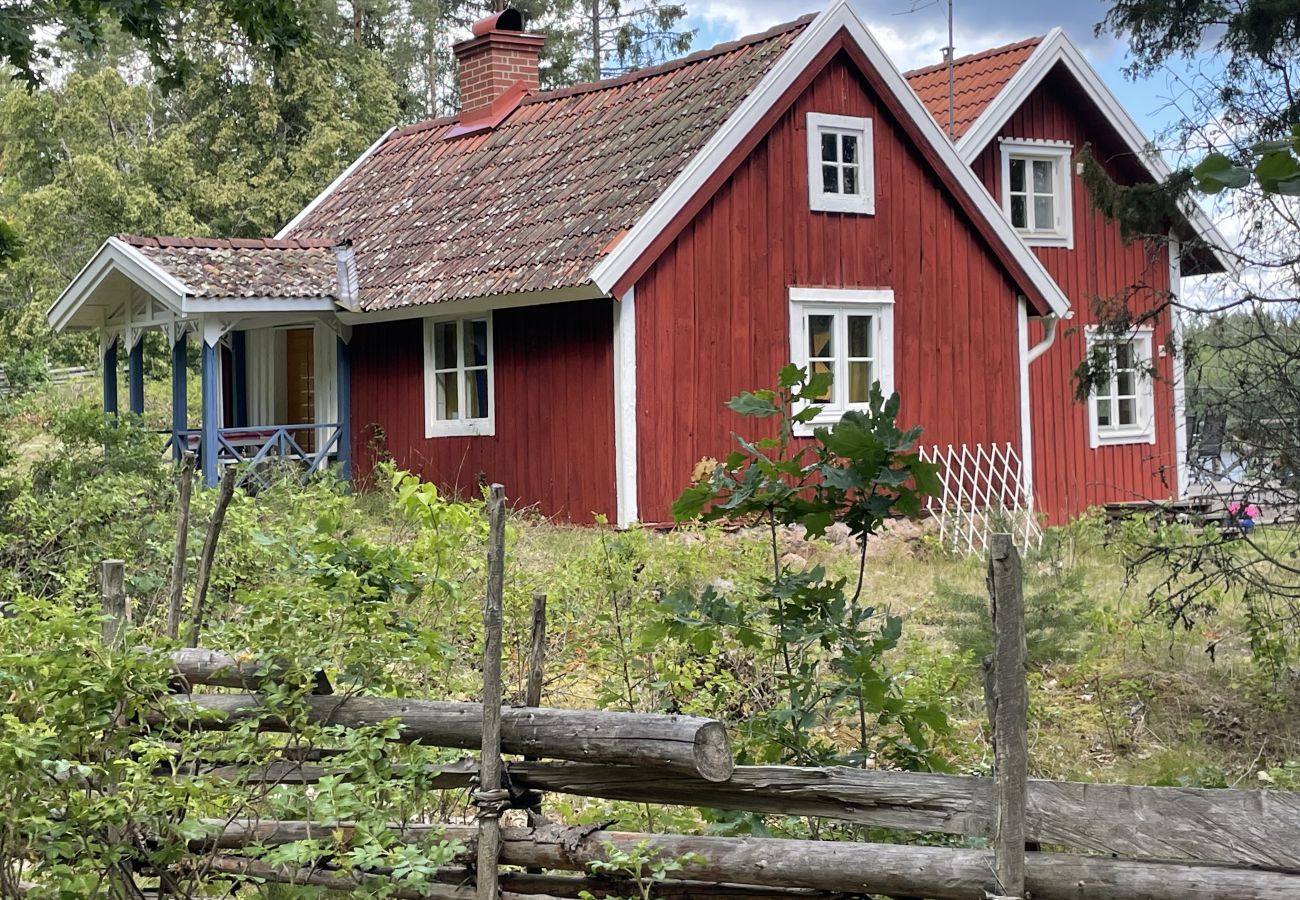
977	79
296	268
533	203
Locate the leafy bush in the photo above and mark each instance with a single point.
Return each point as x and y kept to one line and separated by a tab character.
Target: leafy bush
819	647
1058	607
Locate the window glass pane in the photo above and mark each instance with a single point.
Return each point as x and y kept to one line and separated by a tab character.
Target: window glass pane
859	382
1127	381
476	343
476	396
1128	412
1018	212
850	179
1044	217
444	345
830	180
1124	356
1018	176
1103	412
850	144
859	335
448	400
819	336
816	368
829	146
1043	176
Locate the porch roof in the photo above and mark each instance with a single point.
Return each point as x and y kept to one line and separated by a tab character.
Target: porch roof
190	277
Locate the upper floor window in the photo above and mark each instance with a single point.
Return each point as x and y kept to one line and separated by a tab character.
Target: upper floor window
841	174
458	389
1036	191
1121	409
848	333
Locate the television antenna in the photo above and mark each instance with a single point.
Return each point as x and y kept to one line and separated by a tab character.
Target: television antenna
949	55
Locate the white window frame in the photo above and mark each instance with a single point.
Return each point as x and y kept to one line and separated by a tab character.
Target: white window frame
1144	430
841	302
476	427
863	202
1059	154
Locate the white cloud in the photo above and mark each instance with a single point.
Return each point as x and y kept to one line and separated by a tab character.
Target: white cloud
914	32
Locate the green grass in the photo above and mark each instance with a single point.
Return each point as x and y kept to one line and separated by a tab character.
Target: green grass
1114	696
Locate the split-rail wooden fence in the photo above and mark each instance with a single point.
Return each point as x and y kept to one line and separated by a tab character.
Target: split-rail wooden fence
1137	842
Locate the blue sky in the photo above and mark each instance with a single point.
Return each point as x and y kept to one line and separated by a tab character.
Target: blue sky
915	31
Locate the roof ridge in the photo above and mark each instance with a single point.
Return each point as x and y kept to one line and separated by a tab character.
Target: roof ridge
672	64
230	243
977	56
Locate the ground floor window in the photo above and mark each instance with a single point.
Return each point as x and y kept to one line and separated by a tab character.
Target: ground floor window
1121	407
458	390
849	333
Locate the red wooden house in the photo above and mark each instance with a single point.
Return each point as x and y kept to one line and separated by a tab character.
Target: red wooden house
559	290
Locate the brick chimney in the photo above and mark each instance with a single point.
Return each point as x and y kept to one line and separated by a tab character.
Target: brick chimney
497	65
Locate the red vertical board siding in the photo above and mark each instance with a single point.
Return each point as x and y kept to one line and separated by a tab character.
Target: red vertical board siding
713	310
1070	476
554	445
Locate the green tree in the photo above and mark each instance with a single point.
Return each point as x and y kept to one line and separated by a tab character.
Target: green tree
39	35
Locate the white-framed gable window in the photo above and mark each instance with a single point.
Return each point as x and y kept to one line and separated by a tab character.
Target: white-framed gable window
841	170
1121	408
459	396
848	332
1036	191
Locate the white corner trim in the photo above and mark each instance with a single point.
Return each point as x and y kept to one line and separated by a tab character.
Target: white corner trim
333	185
836	17
434	427
1178	364
625	440
1026	430
1060	154
861	203
1055	48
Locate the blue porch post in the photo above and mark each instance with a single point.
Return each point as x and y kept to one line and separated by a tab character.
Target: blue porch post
343	371
239	378
110	378
135	376
180	410
211	416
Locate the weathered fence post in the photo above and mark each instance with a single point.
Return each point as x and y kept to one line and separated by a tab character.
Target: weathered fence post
537	651
117	610
1007	697
209	555
489	798
177	587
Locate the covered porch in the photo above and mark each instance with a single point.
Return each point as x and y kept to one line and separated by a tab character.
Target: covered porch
273	355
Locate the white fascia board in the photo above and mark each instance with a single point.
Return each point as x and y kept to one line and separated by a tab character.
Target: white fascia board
839	15
119	255
196	306
333	185
1058	48
471	305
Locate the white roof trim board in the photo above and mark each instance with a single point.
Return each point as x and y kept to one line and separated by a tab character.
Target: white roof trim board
320	198
839	15
115	255
1055	48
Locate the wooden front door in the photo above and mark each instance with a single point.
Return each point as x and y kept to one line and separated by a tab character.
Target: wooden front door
300	384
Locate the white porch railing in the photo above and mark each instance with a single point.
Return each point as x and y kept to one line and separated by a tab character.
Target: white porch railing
984	491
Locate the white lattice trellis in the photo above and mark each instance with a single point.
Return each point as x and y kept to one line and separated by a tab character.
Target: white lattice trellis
983	492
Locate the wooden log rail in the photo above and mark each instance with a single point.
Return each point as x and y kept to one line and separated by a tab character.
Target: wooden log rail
515	885
1231	826
892	869
683	744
